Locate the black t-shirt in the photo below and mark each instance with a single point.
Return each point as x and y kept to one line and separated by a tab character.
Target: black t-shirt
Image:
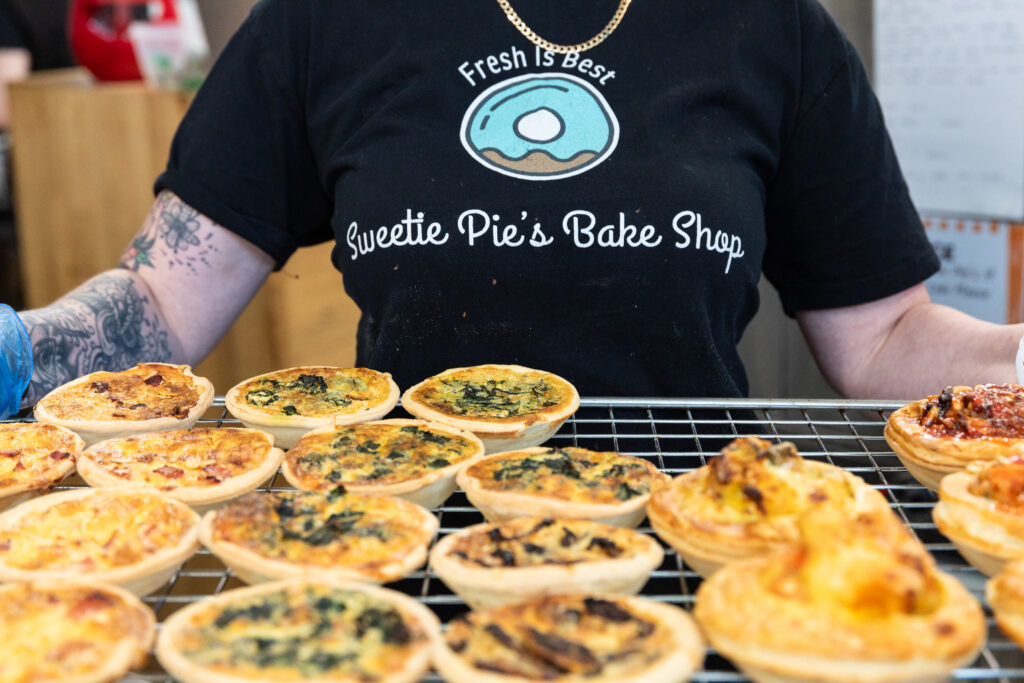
39	26
603	215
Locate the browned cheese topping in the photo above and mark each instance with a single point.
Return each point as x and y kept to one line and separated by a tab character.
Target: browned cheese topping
33	454
1002	482
145	392
984	411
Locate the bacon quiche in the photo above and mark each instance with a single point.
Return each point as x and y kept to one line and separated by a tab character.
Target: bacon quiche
202	467
71	632
300	631
330	535
855	600
508	406
289	403
132	539
411	459
572	638
34	457
494	564
1005	595
149	397
746	502
941	434
566	483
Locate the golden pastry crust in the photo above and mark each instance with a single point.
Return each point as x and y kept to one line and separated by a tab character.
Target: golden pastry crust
202	467
566	483
72	632
746	502
319	535
134	539
300	630
941	434
572	638
411	459
289	403
149	397
509	407
34	457
495	564
1005	595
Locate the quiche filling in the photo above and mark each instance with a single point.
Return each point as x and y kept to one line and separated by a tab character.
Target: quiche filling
315	392
145	392
493	393
988	410
1001	482
302	632
33	453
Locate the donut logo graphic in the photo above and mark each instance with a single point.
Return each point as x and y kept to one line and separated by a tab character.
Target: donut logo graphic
540	127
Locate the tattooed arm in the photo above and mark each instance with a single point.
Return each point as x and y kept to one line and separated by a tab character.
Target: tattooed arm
177	289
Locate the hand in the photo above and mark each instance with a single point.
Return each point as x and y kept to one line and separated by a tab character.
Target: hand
15	361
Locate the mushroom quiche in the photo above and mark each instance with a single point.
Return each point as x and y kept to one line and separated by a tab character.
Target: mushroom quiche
288	403
325	535
1005	594
202	467
71	632
572	638
146	398
411	459
34	457
300	631
132	539
494	564
943	433
507	406
746	502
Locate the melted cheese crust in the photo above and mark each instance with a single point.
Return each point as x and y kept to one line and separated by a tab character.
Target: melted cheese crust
987	410
145	392
490	392
1002	482
314	392
34	454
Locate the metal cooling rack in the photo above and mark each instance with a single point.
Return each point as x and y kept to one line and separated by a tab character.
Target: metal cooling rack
678	436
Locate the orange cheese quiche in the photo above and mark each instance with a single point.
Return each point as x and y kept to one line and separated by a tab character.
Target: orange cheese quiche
34	457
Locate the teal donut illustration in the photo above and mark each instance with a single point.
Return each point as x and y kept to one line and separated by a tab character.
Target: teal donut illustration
540	127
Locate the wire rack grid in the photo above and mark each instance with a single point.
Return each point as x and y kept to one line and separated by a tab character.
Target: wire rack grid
677	436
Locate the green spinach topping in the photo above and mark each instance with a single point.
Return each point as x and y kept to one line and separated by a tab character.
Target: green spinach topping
495	398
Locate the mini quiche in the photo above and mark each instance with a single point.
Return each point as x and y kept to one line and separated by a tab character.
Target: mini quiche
71	632
566	483
300	631
202	467
289	403
411	459
319	535
943	433
132	539
147	398
34	457
746	502
855	600
1005	595
572	638
495	564
508	406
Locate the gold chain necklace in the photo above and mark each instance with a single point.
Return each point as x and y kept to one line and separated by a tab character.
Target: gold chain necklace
565	49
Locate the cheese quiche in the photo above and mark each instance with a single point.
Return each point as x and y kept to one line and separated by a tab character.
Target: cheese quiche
290	402
854	600
71	632
508	406
330	535
575	637
34	457
146	398
747	500
567	483
132	539
1005	595
411	459
941	434
202	467
300	631
494	564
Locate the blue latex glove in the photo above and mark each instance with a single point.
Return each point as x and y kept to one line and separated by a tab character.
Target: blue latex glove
15	361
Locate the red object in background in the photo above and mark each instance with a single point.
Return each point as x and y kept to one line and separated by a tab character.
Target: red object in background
98	30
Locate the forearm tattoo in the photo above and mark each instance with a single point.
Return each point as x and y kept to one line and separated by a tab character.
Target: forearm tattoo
173	236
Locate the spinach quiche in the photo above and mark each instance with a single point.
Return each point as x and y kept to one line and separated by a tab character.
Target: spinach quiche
34	457
494	564
1005	595
330	535
300	631
508	406
565	483
71	632
146	398
289	403
574	637
747	500
202	467
133	539
411	459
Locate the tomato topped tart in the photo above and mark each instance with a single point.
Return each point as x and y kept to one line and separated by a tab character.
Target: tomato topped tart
34	457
